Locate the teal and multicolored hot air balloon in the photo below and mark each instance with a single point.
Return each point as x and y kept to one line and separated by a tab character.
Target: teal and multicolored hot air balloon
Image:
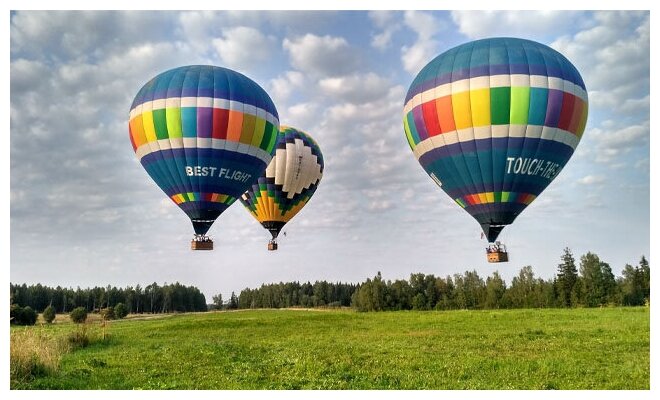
204	134
288	183
493	122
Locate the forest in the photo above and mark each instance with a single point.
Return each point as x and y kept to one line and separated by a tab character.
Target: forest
150	299
588	282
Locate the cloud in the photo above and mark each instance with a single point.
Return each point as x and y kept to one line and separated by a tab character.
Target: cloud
301	115
526	24
643	164
367	158
84	35
624	138
387	23
284	85
356	88
243	47
613	59
425	48
423	23
198	26
321	55
415	57
27	75
612	142
591	180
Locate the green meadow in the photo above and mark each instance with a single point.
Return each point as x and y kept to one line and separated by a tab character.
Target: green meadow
598	348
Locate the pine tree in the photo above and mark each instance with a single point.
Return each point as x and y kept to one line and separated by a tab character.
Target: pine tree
495	289
608	283
645	273
49	314
632	288
233	301
592	277
566	278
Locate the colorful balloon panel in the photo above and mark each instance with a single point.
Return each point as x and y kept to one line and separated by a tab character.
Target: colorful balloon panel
493	122
204	134
289	181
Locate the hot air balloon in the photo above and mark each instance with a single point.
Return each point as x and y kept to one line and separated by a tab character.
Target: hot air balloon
287	184
204	134
493	122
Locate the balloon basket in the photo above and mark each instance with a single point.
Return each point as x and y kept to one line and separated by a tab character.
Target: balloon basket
497	256
201	245
496	253
272	246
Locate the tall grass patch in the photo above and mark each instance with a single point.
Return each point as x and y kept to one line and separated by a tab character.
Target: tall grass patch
34	353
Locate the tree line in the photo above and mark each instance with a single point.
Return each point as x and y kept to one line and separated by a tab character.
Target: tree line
591	285
150	299
290	294
587	283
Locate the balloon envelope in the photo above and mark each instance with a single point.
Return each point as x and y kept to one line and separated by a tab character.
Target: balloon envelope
289	181
204	134
493	122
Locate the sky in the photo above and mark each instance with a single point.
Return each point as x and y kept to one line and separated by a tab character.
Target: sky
83	212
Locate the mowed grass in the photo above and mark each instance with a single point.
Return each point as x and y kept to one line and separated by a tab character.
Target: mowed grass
605	348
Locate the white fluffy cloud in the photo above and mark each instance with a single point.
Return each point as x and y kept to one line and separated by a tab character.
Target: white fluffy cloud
85	35
243	47
356	88
387	22
612	58
321	55
612	142
424	24
591	180
301	115
425	48
527	24
284	85
26	75
612	55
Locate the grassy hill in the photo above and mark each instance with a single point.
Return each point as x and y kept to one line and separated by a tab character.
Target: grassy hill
606	348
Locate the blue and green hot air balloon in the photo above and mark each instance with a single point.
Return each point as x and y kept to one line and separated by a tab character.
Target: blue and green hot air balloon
204	134
493	122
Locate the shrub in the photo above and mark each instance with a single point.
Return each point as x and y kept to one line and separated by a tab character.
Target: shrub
49	314
22	315
78	315
120	311
14	313
80	337
108	313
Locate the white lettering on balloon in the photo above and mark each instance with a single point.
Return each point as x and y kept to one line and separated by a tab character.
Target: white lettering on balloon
225	173
532	166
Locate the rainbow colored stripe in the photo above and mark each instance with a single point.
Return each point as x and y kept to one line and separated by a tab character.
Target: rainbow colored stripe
494	105
495	197
211	197
493	121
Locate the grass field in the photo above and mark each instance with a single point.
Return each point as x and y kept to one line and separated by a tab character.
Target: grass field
605	348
